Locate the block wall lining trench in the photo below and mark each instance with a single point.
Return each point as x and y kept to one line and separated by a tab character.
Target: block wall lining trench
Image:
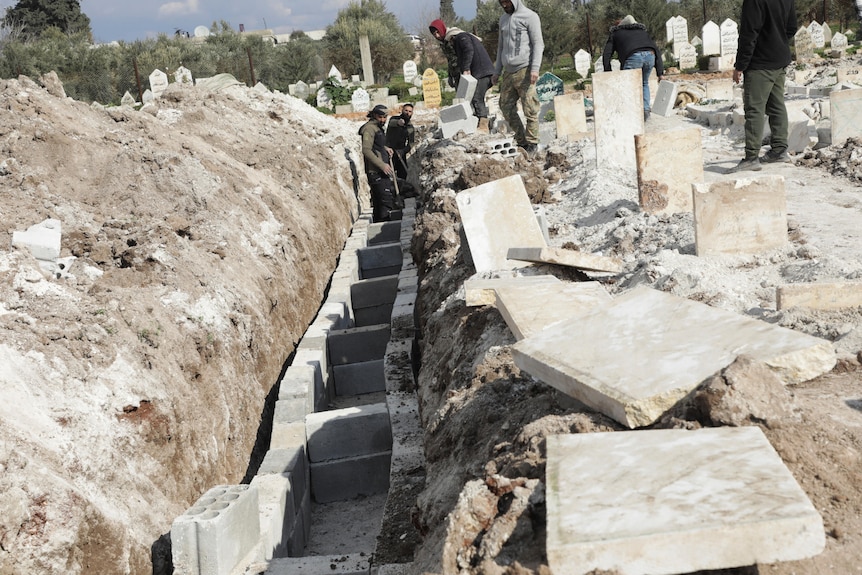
326	446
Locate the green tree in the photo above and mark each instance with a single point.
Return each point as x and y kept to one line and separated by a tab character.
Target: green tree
33	17
390	46
447	11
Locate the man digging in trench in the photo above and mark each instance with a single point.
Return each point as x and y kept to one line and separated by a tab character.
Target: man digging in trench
378	164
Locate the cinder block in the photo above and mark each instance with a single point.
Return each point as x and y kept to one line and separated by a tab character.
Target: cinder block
466	88
218	532
277	512
457	118
358	344
505	147
298	383
383	233
349	432
348	478
291	462
315	354
359	378
380	260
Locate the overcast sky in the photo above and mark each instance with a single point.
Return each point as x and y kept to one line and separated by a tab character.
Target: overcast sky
131	20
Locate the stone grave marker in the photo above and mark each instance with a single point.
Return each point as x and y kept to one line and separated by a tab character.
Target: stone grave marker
668	26
711	39
570	116
729	37
360	100
669	162
128	99
618	117
291	89
599	67
354	79
582	62
696	41
853	75
804	44
301	90
687	56
846	113
827	33
323	99
680	34
665	98
147	96
158	82
816	31
432	94
746	216
335	75
183	75
410	71
548	86
838	41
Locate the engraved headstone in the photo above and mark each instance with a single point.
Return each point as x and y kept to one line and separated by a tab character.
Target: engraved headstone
432	94
335	75
680	34
582	62
147	96
838	41
301	90
804	45
410	71
324	100
729	37
668	26
183	75
687	56
696	41
128	99
817	38
548	86
158	82
711	39
360	100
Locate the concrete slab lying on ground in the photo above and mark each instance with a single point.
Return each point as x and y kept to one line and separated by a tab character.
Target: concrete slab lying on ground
670	345
495	217
674	501
481	291
820	295
564	257
528	309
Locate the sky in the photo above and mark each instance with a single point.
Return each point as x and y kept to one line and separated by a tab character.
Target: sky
131	20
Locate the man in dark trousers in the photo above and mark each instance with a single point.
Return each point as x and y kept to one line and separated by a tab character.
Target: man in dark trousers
400	136
763	53
471	59
377	157
636	50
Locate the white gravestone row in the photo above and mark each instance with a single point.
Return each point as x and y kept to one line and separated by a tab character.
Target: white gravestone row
711	39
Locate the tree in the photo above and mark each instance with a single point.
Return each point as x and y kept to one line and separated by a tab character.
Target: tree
447	12
35	16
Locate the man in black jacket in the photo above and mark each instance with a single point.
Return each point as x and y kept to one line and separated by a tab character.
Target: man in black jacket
377	158
763	53
635	49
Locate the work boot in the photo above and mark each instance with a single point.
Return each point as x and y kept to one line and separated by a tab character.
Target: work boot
773	157
483	126
746	164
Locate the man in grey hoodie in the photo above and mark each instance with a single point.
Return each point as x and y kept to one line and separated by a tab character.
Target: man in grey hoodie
519	56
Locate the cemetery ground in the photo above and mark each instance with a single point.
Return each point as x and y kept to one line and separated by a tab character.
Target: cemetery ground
203	233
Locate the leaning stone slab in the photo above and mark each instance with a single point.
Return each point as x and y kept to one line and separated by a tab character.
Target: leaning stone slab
497	216
820	295
479	292
564	257
665	98
528	309
664	184
846	111
674	501
571	117
617	116
745	216
669	345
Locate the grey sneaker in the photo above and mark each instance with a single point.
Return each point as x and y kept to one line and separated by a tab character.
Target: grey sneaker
773	157
746	164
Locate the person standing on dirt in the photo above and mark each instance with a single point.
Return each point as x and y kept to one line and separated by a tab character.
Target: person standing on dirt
763	53
471	59
400	136
377	157
636	50
519	57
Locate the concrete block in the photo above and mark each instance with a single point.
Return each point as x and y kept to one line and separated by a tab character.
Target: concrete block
665	187
745	216
348	478
348	432
457	118
41	240
292	463
358	344
383	233
290	410
380	260
317	358
374	292
277	513
298	383
565	257
287	435
218	533
466	88
491	231
359	378
682	341
505	147
820	295
674	501
478	291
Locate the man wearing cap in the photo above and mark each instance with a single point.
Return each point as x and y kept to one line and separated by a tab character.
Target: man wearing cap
519	56
470	59
377	157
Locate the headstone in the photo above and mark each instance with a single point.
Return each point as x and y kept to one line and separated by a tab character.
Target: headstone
301	90
729	37
183	75
817	38
675	495
711	39
680	34
432	94
618	117
687	56
491	231
291	89
147	96
323	99
582	62
354	79
846	113
827	33
599	67
853	74
668	26
803	44
413	91
360	100
664	187
128	99
466	87
367	64
410	71
665	98
335	75
570	116
417	81
158	82
839	41
696	41
819	295
566	257
746	216
548	86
